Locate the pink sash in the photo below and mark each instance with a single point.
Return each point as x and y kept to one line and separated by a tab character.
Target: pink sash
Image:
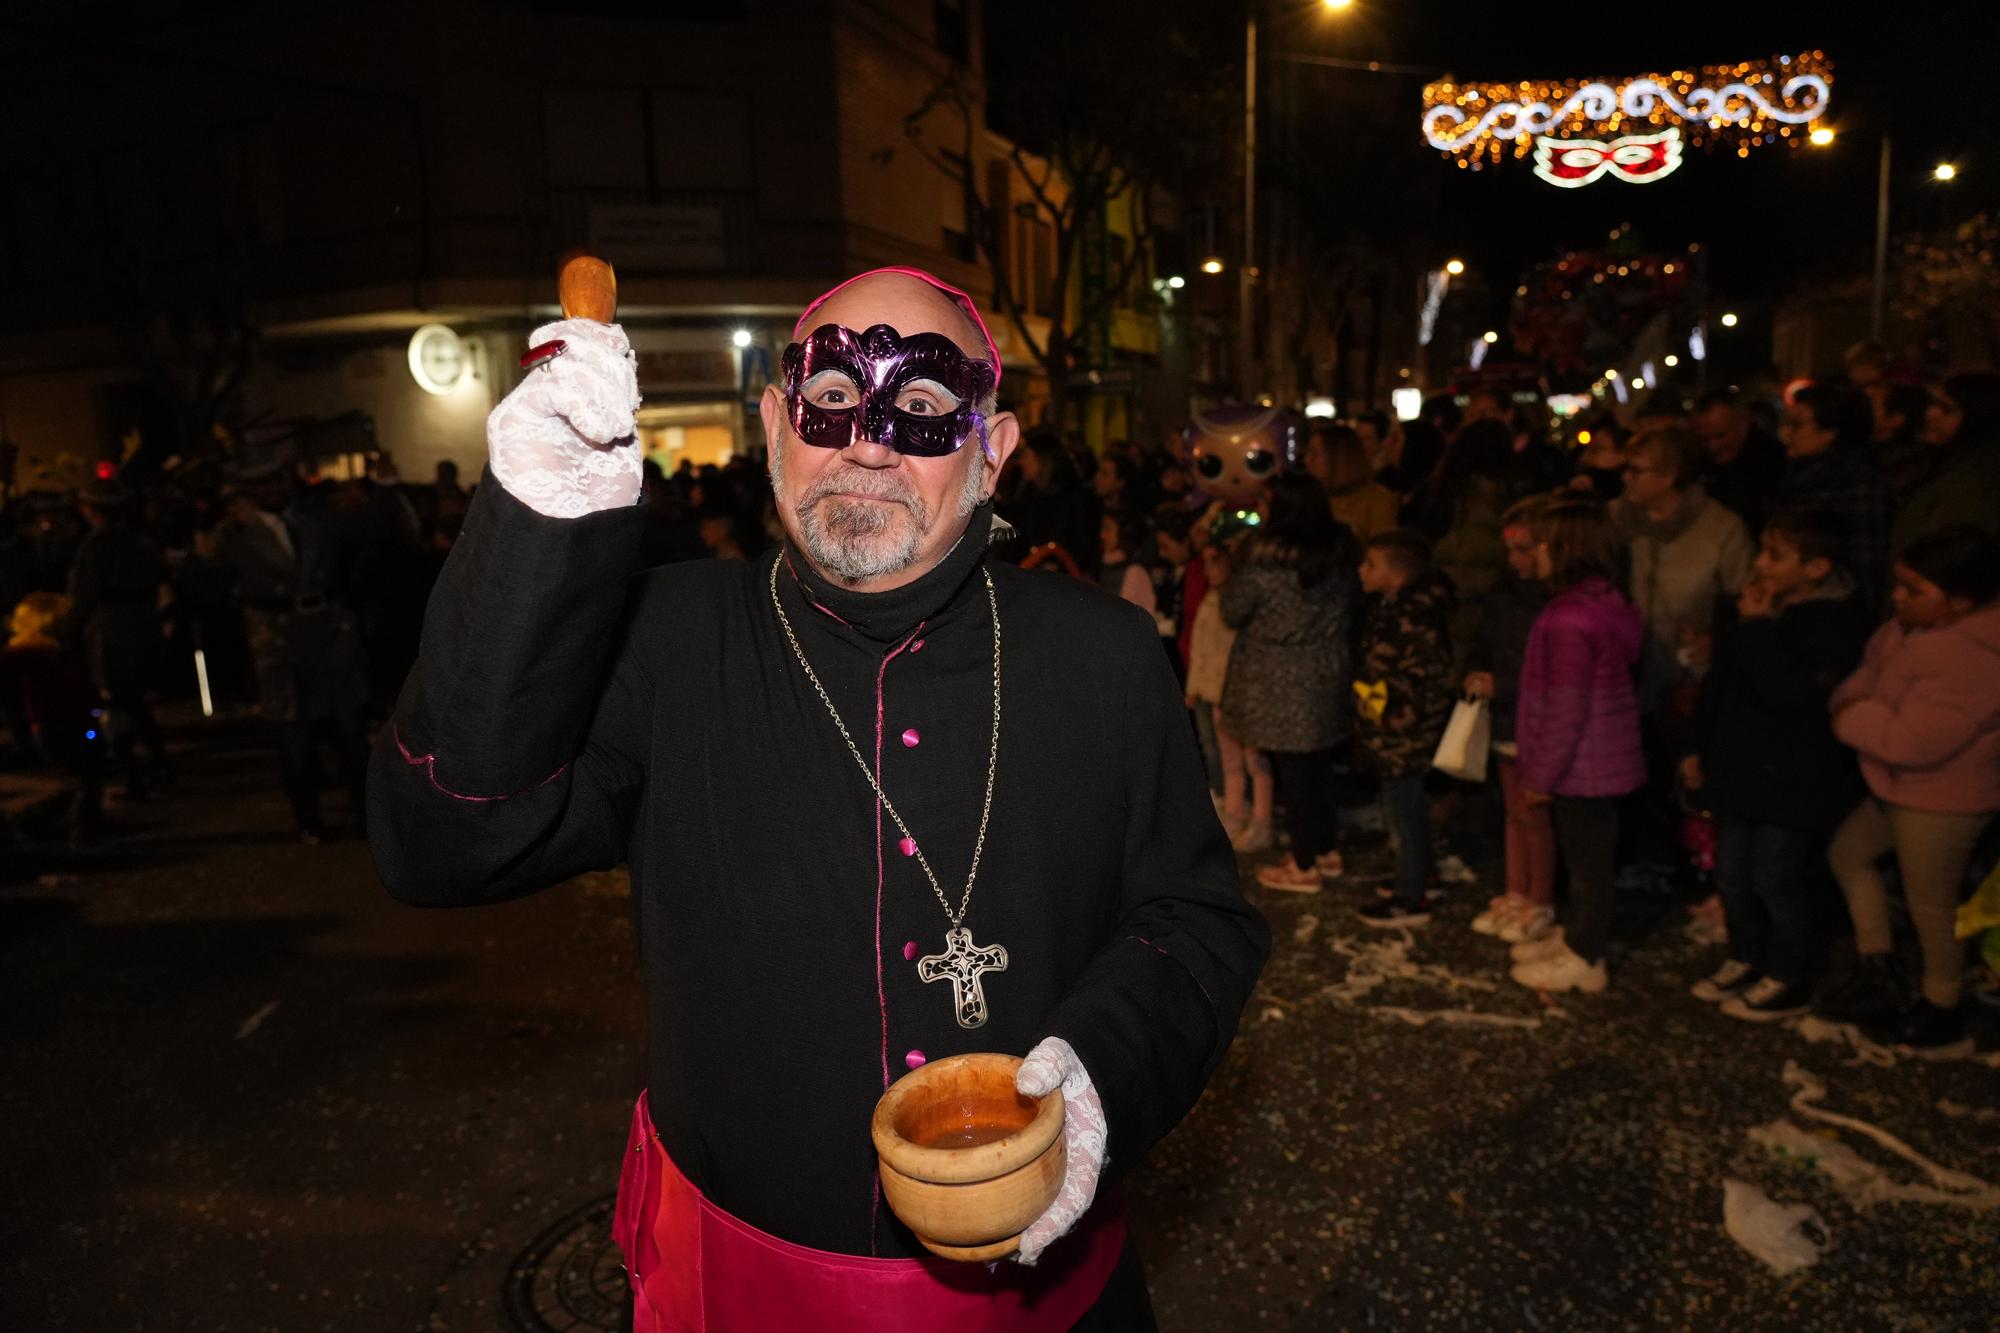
696	1269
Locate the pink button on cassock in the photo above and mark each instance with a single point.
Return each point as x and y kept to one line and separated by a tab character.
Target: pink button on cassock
917	646
907	846
909	950
914	1058
911	738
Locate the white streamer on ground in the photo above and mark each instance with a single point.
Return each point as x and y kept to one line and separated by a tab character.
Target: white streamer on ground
1378	961
1979	1115
256	1020
1860	1181
1955	1187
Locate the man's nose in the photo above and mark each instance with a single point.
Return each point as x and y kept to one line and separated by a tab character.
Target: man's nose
869	453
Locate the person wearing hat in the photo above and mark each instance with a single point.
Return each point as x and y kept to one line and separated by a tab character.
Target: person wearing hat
115	595
291	563
883	799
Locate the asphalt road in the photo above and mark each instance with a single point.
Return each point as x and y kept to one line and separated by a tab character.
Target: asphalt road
245	1091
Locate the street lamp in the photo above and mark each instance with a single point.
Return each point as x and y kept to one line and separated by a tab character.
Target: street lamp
1455	267
1490	337
1248	273
1729	320
1672	360
1942	172
740	338
1211	265
1821	136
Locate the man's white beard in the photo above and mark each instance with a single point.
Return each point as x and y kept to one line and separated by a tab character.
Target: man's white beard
859	540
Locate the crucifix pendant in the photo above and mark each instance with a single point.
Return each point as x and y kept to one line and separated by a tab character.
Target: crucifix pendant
961	964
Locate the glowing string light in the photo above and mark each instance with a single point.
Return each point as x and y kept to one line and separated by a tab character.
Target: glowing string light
1748	103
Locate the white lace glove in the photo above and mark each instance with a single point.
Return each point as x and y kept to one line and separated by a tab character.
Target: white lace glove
1053	1064
565	443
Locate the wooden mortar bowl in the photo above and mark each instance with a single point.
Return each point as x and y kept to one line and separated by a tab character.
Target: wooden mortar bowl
966	1161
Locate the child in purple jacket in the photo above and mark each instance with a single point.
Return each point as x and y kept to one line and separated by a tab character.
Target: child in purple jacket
1577	721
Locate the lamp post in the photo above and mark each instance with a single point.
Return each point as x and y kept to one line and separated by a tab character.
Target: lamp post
1878	300
1246	276
1245	332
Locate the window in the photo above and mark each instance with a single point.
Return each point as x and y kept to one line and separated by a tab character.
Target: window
954	210
1042	260
1021	259
702	139
1130	296
596	137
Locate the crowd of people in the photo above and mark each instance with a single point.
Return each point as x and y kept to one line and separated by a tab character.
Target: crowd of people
1716	631
1745	647
255	587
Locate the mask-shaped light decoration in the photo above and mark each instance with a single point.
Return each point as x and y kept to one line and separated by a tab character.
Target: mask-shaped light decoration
917	395
1233	450
1636	158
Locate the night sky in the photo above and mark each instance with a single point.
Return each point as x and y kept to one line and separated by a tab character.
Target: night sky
1920	70
1781	217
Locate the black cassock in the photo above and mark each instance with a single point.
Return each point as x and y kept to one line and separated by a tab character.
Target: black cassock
564	716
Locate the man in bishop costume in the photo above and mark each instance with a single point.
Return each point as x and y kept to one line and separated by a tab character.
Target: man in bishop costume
883	800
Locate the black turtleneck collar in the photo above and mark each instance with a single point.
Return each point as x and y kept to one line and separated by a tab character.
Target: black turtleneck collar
887	616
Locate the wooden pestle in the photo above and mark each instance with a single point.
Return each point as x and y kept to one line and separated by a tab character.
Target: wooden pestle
589	288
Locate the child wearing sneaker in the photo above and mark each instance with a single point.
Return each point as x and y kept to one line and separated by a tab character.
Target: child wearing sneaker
1762	754
1923	713
1232	769
1404	683
1577	726
1526	910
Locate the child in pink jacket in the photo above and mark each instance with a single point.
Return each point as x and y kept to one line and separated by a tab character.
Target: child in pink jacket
1923	712
1577	725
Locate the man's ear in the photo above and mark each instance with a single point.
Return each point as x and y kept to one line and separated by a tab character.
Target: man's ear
1819	569
771	410
1003	436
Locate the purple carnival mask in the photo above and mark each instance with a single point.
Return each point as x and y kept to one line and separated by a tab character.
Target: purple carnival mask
915	395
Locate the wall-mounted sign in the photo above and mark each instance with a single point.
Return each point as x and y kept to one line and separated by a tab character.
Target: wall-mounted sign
437	359
1635	158
677	370
1740	106
667	236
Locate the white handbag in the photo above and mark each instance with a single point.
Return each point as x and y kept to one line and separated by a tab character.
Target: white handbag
1467	738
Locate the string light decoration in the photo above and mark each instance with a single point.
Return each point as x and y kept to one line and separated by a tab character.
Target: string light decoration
1750	104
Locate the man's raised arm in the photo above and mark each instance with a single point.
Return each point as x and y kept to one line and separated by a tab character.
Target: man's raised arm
516	752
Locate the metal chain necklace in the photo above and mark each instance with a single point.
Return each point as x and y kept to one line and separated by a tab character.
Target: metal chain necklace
962	961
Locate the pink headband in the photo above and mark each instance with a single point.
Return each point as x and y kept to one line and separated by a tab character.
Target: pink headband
958	298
